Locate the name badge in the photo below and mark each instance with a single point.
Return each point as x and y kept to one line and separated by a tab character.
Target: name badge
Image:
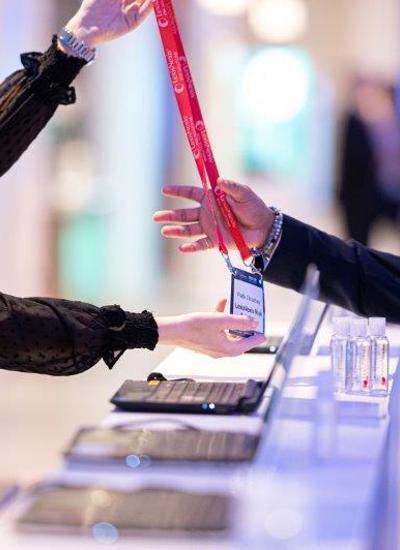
247	298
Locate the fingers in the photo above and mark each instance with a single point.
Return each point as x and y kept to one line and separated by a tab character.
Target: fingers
239	347
182	231
234	347
237	322
136	11
239	192
184	192
199	246
185	215
220	308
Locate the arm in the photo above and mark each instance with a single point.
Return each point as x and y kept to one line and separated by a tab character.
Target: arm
30	97
352	275
62	338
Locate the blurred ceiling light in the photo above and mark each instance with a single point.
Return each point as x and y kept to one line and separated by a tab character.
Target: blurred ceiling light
225	7
276	85
278	20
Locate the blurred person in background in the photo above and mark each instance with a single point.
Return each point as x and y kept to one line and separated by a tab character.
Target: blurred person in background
369	186
61	337
352	276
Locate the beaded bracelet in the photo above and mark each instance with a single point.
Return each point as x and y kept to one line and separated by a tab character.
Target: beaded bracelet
262	256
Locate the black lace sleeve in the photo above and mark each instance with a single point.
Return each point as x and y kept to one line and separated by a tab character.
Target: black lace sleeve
61	337
29	98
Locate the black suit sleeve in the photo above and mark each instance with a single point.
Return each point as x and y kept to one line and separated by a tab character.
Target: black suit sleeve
353	276
30	97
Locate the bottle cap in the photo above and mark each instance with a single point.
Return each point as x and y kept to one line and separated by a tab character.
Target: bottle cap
341	326
377	326
359	327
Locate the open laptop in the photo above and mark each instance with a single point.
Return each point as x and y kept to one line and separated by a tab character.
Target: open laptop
139	443
189	396
159	509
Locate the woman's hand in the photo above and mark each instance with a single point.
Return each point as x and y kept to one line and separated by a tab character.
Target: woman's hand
207	333
254	217
99	21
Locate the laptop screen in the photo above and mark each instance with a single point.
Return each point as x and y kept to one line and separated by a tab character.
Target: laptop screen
306	323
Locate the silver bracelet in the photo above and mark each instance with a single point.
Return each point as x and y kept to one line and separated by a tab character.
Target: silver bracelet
262	256
77	47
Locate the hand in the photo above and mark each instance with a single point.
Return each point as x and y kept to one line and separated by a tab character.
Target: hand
206	333
99	21
254	217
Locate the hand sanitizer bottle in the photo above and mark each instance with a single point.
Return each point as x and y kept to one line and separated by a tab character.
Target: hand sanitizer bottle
358	376
379	355
338	349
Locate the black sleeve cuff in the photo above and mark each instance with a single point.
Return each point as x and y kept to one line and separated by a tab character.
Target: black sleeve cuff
128	331
50	75
58	66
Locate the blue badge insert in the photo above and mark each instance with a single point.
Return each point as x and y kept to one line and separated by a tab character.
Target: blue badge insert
247	298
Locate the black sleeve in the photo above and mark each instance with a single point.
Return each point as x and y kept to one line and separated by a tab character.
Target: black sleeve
29	98
61	338
353	276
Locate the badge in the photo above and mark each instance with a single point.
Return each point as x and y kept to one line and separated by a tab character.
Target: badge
247	298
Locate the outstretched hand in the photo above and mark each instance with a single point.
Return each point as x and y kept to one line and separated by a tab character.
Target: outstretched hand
254	217
208	332
99	21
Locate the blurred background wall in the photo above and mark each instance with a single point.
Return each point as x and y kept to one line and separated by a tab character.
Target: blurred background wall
275	80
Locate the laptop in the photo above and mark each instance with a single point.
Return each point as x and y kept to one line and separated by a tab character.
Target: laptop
110	513
188	396
136	444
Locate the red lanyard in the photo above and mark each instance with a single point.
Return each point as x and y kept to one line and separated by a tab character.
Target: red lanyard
193	122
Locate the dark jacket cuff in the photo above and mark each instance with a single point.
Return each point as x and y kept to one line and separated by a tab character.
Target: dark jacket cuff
290	260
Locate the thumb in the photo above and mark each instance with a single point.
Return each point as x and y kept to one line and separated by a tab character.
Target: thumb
239	192
220	308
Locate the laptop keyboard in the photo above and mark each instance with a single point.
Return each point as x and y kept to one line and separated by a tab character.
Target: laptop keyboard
186	392
99	445
150	508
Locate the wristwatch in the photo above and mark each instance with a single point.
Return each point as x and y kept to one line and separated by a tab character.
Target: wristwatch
262	256
77	47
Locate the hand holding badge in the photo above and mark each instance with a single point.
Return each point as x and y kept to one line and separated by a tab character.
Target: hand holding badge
247	291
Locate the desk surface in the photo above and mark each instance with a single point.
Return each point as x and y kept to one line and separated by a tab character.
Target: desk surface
304	501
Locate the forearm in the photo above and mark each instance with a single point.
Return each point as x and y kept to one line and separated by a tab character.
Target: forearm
61	337
29	98
352	276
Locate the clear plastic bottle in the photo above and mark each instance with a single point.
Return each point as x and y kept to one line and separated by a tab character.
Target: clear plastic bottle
338	349
358	368
379	355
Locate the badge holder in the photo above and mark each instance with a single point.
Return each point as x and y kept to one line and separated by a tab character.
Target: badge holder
247	298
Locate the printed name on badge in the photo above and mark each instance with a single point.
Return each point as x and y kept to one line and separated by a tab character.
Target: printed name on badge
247	298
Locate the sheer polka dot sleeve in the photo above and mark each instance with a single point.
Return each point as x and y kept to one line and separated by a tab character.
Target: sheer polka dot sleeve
30	97
62	338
